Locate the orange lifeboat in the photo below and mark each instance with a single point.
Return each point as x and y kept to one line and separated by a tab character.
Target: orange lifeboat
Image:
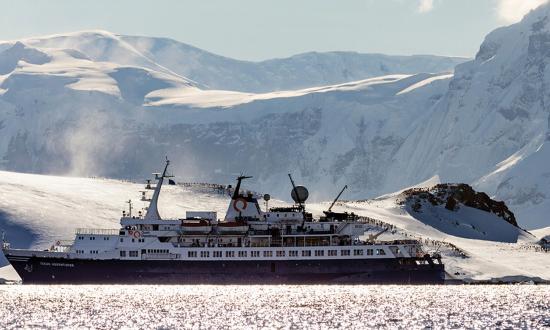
232	227
196	226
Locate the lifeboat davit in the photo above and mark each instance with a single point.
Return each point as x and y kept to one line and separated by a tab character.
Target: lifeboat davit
196	226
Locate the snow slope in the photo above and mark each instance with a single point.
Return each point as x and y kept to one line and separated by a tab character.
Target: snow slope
494	249
37	210
542	233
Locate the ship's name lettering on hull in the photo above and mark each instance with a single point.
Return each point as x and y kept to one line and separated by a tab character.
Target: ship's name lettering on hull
55	264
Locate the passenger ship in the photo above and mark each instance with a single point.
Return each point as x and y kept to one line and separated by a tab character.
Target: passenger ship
249	246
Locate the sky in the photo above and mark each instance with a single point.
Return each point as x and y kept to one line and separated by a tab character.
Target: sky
261	29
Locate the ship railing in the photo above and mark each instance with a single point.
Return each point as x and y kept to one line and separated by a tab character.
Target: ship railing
64	243
95	231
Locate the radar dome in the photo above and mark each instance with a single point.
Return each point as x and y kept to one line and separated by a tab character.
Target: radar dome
299	194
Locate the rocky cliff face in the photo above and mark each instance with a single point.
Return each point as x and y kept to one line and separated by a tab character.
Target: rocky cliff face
455	196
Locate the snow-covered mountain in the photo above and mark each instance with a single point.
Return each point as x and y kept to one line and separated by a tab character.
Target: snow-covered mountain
64	112
38	210
218	72
94	103
491	126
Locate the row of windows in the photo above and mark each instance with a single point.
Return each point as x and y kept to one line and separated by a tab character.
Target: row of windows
92	238
131	254
158	251
140	240
282	253
91	252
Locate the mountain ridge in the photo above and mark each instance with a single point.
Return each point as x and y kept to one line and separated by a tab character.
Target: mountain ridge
220	72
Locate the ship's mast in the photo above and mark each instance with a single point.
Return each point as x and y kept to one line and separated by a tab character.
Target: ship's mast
152	210
238	187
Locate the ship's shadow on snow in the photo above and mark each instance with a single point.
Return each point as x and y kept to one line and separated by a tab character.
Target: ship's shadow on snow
19	236
466	222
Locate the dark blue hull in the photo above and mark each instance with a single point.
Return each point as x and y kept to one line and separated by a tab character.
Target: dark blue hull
83	271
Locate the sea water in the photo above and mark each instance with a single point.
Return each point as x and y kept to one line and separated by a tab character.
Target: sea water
278	307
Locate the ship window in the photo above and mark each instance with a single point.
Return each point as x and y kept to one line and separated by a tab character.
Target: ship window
277	215
268	253
332	253
255	254
105	238
123	254
81	237
369	252
380	252
217	254
133	240
292	253
92	238
306	253
205	254
192	254
229	254
280	253
357	252
122	239
319	253
242	254
344	252
133	254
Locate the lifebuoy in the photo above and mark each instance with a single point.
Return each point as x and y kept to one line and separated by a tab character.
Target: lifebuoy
136	234
244	203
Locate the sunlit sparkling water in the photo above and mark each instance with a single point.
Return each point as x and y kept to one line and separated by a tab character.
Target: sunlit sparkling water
294	307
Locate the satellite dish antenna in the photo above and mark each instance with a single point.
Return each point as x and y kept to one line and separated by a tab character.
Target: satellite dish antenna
299	194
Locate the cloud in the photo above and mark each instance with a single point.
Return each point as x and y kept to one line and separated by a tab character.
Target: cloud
425	6
512	11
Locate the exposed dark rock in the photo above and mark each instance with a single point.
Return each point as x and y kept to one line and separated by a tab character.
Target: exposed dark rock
454	195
